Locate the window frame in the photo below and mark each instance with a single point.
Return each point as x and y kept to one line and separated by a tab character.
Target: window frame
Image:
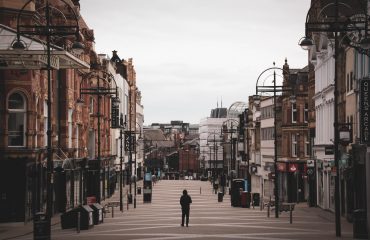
18	111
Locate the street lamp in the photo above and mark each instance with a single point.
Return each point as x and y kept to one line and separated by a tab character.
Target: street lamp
122	124
230	126
98	82
140	138
49	29
257	99
350	20
215	149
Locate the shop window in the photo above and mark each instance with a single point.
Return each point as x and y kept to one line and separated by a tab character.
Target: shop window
17	120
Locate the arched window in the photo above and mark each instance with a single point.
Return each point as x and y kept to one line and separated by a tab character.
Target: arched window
17	120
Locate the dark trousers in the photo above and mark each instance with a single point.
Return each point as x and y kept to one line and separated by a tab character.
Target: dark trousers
185	213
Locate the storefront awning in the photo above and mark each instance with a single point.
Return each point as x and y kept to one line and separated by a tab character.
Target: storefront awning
34	56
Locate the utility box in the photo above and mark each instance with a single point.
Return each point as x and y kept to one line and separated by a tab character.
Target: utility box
68	219
256	199
86	217
98	213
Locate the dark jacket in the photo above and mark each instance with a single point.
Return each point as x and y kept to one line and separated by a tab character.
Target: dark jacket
185	201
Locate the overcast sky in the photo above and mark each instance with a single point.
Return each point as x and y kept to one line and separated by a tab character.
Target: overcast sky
190	54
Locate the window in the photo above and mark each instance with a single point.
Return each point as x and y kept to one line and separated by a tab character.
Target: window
70	128
307	148
294	145
294	112
45	123
306	112
267	133
347	82
17	120
91	105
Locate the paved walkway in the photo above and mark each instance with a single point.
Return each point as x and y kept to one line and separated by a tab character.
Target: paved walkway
209	219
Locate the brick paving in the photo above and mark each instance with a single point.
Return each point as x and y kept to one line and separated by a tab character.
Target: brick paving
209	219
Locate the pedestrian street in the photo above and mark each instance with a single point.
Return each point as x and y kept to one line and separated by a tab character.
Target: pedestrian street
209	219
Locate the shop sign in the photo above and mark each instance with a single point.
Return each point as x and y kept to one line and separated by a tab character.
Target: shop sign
310	163
281	167
293	167
365	110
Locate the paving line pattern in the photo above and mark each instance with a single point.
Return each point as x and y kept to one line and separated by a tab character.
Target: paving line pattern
209	219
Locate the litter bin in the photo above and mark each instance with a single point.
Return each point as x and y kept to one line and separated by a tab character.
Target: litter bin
97	213
220	196
139	190
129	198
69	219
86	217
245	199
359	224
41	227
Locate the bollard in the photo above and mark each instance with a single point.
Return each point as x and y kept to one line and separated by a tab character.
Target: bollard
112	212
261	204
291	214
268	210
78	222
200	190
134	201
127	198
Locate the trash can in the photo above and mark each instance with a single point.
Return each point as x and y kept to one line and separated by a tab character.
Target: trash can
97	213
220	196
359	224
256	199
245	199
68	219
139	190
41	226
86	217
129	198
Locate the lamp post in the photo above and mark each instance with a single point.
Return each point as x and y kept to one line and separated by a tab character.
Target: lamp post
215	151
351	21
48	29
135	184
230	126
122	127
257	98
98	88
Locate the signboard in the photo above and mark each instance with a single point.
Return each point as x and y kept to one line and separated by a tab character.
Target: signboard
293	167
365	110
115	116
329	150
310	163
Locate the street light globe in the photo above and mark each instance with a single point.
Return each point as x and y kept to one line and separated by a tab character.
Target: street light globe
306	43
18	45
78	48
365	43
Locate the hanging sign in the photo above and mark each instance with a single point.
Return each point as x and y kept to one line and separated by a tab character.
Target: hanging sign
365	110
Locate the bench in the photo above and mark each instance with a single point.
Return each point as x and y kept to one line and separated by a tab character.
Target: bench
283	207
110	205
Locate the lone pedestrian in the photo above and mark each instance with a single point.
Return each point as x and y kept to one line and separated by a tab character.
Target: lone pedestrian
185	201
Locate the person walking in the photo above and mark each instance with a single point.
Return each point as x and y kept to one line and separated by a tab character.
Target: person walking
185	202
